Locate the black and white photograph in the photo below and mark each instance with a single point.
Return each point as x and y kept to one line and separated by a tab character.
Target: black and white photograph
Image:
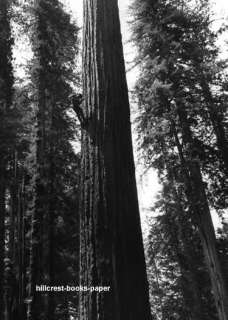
113	160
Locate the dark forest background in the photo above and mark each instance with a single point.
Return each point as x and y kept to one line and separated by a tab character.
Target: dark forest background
182	125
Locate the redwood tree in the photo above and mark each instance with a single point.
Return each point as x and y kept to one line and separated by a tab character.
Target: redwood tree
55	45
111	247
173	111
6	132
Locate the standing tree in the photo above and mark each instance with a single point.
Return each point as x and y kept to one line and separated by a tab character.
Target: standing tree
6	134
55	45
179	281
111	247
172	37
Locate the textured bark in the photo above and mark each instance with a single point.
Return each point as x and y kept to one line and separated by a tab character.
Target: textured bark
2	235
50	309
111	247
10	288
6	82
195	191
33	269
39	242
53	58
186	255
39	209
21	251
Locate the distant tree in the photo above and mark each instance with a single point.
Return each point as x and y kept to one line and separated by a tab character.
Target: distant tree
172	39
52	160
39	167
222	245
6	134
179	282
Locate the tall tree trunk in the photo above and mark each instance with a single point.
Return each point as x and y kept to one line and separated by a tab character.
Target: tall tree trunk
50	223
39	228
6	82
21	250
53	55
33	268
11	288
35	307
39	242
111	247
14	207
185	257
2	236
195	192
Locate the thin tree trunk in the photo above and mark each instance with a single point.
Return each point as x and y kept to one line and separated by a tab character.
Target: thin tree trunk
14	207
195	191
33	270
2	237
21	251
38	244
185	257
38	256
50	222
36	212
111	247
6	82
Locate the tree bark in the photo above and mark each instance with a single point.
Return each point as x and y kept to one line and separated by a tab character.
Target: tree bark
6	83
111	247
2	236
21	250
196	194
185	256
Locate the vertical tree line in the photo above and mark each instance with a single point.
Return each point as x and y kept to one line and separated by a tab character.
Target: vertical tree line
183	116
54	41
7	136
40	169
